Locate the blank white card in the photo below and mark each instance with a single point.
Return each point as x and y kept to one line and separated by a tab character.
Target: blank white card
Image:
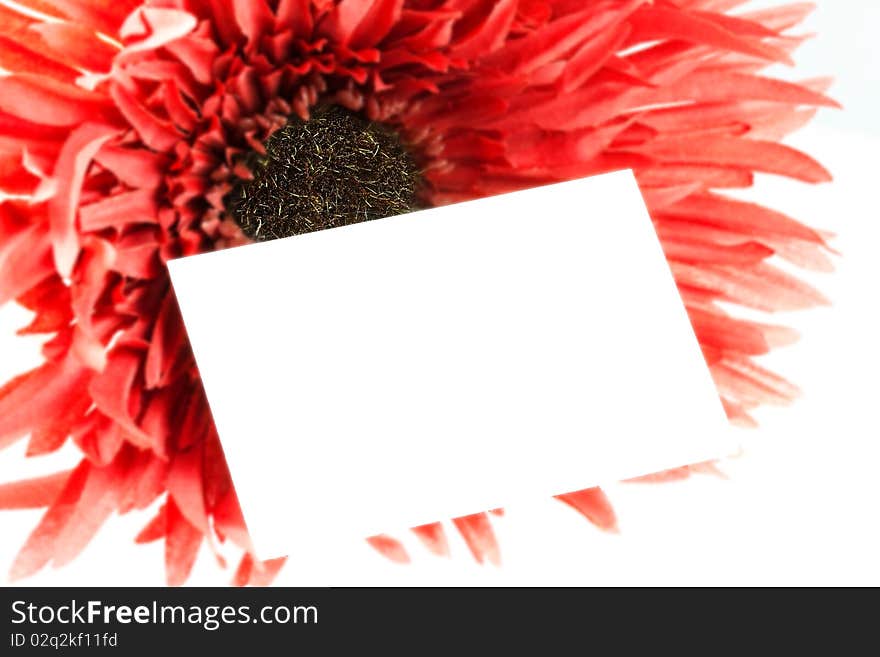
449	361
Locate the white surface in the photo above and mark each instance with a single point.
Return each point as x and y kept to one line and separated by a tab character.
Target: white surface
799	506
445	362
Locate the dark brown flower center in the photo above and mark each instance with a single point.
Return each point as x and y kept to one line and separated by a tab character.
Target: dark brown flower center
335	169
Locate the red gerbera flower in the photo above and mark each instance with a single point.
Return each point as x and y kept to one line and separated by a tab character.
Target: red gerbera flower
126	125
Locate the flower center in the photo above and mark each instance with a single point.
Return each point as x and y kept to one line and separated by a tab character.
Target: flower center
335	169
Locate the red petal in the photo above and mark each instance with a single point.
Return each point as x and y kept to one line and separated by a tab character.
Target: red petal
165	344
139	206
676	474
50	302
47	7
100	439
40	545
343	19
138	254
433	537
750	384
155	529
16	58
716	330
737	414
549	43
594	506
257	573
490	34
376	23
294	15
775	127
181	545
655	22
195	422
88	285
156	133
33	493
180	112
762	287
214	470
696	251
46	101
23	51
708	174
229	522
589	106
102	15
763	156
806	255
243	572
388	547
658	198
34	398
783	17
223	21
78	44
748	219
253	17
51	434
592	56
98	500
136	167
742	25
73	162
25	260
198	54
185	487
146	482
111	390
716	86
150	28
556	149
476	530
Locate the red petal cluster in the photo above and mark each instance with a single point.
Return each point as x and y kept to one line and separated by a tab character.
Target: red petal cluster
122	128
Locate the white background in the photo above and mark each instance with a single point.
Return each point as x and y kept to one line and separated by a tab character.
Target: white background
799	505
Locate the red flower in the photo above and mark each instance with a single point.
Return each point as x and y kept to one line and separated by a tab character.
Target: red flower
124	124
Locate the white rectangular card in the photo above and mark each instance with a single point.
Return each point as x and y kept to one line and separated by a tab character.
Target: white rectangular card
445	362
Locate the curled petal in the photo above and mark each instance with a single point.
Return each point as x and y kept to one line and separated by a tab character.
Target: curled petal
149	28
70	171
